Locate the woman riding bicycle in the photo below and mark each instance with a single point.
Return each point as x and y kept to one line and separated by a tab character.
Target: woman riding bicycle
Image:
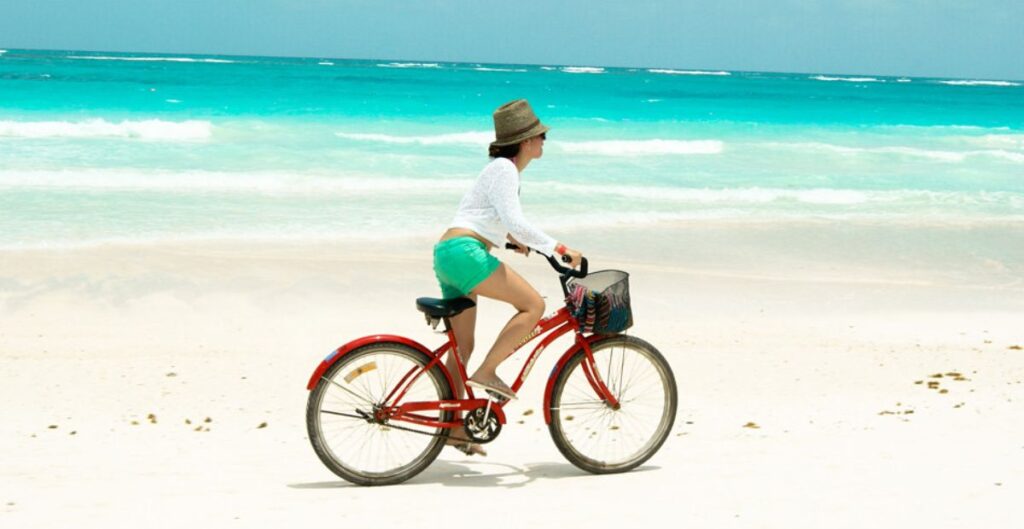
490	214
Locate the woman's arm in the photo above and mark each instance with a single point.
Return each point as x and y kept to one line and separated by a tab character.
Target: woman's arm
503	193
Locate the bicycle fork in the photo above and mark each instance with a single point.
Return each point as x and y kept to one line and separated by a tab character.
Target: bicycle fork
589	367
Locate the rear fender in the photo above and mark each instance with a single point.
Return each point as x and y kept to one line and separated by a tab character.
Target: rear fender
367	340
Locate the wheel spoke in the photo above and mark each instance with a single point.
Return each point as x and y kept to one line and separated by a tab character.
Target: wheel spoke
581	406
349	415
363	398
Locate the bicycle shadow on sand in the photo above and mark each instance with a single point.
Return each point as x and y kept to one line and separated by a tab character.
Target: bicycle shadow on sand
482	473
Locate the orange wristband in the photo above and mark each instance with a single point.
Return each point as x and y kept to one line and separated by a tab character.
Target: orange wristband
560	249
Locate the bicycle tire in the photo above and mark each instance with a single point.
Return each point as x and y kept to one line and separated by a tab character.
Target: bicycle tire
602	440
372	458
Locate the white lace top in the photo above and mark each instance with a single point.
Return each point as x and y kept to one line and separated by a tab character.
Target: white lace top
491	208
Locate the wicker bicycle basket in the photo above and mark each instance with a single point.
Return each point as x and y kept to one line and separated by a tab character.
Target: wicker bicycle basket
600	302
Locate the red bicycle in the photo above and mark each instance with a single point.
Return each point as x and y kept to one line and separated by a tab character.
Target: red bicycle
381	407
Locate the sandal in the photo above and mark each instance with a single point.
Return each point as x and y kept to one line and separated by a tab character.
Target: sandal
497	388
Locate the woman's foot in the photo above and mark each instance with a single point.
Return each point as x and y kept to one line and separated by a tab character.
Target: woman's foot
492	385
470	449
455	440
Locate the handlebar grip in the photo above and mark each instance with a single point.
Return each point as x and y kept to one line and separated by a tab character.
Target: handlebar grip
581	273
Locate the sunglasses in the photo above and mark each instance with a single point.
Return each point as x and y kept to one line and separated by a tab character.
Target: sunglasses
543	135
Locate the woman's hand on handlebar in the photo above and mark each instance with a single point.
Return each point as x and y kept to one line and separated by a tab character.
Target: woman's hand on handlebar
517	246
575	257
519	249
569	256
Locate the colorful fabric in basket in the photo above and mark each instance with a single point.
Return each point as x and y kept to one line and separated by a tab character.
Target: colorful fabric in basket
605	312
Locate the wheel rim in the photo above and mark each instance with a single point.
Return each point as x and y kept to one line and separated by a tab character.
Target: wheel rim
607	437
357	388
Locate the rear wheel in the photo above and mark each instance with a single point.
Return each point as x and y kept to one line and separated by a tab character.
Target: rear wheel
592	434
341	409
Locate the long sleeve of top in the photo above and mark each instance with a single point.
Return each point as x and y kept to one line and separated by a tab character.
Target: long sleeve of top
492	209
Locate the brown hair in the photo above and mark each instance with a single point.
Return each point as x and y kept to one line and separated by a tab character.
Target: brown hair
503	151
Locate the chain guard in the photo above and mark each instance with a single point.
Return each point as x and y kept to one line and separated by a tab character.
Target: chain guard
482	427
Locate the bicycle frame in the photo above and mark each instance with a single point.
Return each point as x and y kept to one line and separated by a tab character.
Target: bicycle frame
551	328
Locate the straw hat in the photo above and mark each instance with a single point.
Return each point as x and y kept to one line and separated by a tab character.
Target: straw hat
514	122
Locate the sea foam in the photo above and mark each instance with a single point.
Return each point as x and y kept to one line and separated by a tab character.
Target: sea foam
289	184
997	141
409	65
724	196
936	155
888	201
582	69
148	59
487	69
150	129
474	138
273	183
641	147
599	148
847	79
978	83
932	154
688	72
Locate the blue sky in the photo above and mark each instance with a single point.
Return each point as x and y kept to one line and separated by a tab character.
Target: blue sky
951	38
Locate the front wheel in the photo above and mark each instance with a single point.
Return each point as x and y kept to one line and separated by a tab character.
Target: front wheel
589	432
341	410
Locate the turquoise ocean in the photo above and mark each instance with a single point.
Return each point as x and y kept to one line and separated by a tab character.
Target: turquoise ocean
99	148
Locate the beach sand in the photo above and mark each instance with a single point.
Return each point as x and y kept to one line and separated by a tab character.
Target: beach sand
164	385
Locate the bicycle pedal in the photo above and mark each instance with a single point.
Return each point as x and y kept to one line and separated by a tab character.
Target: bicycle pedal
497	397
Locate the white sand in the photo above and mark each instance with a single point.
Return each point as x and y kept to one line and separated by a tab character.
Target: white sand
823	359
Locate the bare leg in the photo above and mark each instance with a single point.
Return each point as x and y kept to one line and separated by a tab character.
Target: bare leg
508	286
464	326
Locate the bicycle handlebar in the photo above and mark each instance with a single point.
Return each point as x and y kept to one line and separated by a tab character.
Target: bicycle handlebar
563	270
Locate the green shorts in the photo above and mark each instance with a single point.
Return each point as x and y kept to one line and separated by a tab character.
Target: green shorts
461	264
